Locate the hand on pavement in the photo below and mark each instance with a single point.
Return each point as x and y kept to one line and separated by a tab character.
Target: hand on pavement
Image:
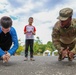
6	57
71	56
65	52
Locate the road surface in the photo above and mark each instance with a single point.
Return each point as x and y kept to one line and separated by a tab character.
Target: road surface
43	65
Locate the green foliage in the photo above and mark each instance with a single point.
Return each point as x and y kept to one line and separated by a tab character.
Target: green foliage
55	53
50	45
39	47
20	48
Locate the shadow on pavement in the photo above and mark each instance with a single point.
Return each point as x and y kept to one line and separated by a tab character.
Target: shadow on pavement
7	64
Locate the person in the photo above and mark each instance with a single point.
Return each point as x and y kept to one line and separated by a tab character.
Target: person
30	31
8	39
64	34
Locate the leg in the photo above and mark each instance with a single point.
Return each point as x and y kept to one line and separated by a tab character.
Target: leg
31	48
26	48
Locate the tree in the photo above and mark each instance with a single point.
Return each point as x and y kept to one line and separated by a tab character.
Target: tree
49	46
37	44
38	40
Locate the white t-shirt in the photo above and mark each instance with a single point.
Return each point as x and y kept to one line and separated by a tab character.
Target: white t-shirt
29	30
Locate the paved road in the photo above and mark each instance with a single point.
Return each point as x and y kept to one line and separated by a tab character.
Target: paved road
43	65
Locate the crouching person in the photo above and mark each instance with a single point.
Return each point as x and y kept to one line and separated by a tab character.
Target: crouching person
64	34
8	39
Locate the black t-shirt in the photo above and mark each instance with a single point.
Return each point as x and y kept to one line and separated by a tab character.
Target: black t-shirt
5	41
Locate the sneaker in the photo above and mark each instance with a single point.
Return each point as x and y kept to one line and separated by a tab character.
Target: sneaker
25	59
32	59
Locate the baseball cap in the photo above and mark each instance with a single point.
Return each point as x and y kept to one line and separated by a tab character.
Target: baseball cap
65	13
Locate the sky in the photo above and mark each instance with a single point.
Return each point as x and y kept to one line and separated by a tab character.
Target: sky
44	12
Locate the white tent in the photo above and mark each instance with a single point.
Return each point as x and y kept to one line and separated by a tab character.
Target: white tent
46	53
54	52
